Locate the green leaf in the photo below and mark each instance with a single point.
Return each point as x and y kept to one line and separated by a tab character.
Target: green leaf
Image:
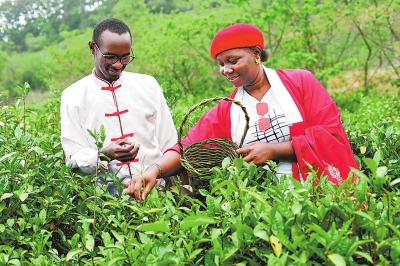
102	133
389	131
395	182
161	226
371	164
72	253
377	157
114	260
296	207
220	185
364	255
26	88
18	133
7	155
363	149
238	162
42	215
319	231
14	262
196	220
10	222
381	171
119	237
89	242
225	162
337	259
356	245
260	232
363	214
6	196
2	228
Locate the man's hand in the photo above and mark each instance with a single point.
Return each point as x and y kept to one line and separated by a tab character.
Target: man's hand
141	185
121	150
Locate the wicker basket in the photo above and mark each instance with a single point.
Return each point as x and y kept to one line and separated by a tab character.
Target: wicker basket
200	157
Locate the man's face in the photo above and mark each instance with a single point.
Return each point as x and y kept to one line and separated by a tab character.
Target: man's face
110	44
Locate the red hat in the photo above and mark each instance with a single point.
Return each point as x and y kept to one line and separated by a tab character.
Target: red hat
236	36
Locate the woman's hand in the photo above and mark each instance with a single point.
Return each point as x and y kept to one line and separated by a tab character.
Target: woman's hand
260	152
141	185
257	153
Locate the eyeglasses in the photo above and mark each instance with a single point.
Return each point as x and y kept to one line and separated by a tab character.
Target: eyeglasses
263	123
112	59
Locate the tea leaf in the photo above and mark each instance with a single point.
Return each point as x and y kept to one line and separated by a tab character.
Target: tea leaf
356	245
42	215
119	237
260	232
395	182
371	164
22	196
381	171
337	259
114	260
363	149
89	242
6	195
364	255
220	185
276	245
363	214
319	231
196	220
161	226
7	155
72	253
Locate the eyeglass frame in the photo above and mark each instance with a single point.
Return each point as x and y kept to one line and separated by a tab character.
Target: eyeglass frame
118	58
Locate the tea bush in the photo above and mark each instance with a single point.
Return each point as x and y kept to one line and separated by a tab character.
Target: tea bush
51	215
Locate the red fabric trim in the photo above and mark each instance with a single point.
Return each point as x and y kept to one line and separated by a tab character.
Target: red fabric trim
117	113
128	162
122	137
111	88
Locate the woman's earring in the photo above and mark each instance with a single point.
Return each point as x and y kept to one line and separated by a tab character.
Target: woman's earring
258	60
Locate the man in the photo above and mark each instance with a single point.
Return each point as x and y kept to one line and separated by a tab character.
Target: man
130	106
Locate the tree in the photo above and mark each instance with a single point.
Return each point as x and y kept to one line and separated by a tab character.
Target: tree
41	17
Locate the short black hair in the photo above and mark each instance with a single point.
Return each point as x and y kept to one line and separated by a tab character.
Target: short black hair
112	24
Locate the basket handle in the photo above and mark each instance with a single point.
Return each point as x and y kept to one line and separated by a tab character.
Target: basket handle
205	101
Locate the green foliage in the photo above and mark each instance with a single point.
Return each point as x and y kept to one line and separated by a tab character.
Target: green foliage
373	127
243	215
330	38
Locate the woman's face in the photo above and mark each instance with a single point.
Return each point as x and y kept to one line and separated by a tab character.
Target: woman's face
239	67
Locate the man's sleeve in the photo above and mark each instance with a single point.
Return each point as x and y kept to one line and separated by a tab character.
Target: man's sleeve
78	153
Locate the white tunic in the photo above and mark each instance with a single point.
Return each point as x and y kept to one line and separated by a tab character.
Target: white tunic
133	106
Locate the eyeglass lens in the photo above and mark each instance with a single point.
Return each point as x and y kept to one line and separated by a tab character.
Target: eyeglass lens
263	123
112	59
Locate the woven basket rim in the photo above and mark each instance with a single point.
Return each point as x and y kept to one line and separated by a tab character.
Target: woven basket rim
187	164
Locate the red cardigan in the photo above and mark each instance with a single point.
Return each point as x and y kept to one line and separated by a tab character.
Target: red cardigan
319	141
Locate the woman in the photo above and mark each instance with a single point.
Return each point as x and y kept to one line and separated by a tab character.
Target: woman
293	119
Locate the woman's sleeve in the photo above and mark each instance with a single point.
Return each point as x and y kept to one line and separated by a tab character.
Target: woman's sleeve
324	145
